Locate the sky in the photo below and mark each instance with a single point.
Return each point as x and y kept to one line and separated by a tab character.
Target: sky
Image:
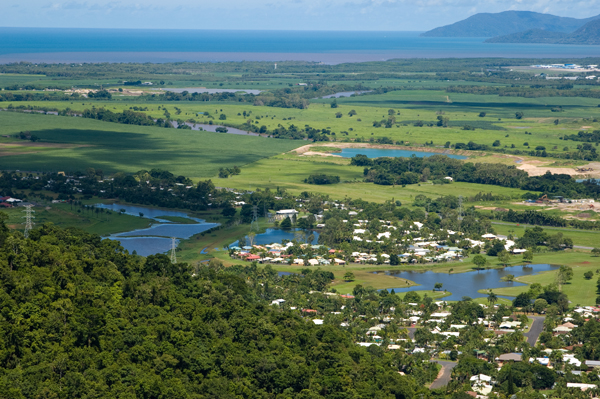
373	15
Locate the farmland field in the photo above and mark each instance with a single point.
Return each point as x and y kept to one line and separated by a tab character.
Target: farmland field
115	147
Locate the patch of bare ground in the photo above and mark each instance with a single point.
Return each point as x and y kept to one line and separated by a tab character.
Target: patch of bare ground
538	168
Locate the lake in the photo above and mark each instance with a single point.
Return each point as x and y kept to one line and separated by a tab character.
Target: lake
467	284
277	236
213	91
346	94
156	238
386	152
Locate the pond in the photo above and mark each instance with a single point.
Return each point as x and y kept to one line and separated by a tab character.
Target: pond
213	91
387	152
467	284
277	236
156	238
346	94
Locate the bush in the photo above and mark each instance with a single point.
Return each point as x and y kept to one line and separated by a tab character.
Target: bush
322	179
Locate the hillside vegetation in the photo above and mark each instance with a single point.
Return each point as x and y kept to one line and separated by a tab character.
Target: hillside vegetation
507	22
82	319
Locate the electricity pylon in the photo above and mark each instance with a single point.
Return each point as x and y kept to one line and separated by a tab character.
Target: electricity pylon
173	248
28	219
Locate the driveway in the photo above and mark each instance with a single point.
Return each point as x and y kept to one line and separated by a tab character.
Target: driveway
536	329
411	332
445	374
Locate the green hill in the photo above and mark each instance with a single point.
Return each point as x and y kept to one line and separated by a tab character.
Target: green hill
506	23
530	36
587	34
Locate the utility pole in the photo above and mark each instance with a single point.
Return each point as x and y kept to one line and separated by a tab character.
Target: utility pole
460	201
173	248
28	219
254	224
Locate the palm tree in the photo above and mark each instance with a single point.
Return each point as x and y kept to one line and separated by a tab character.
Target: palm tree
492	298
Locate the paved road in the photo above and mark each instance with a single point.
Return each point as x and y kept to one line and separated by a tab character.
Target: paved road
446	371
536	329
411	332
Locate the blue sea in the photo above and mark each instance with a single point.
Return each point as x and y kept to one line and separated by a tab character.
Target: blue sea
155	45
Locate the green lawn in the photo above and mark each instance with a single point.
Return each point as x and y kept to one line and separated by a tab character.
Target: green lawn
579	290
585	238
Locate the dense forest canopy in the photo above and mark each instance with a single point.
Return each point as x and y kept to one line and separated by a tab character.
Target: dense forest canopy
81	318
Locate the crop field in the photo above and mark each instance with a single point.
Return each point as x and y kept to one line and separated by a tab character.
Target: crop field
82	143
496	106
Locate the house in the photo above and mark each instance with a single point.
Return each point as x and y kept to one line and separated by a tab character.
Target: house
510	357
592	364
581	386
285	213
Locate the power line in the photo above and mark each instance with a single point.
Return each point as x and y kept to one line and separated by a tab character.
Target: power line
28	219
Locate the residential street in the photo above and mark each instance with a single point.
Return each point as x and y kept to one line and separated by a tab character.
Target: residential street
535	330
446	372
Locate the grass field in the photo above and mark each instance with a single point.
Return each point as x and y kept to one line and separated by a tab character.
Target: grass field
62	216
579	290
585	238
115	147
498	124
289	171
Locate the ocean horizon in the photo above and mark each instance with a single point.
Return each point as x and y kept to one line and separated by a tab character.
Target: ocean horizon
56	45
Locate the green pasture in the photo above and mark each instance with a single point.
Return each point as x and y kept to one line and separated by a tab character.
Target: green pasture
9	79
289	171
537	128
579	290
585	238
115	147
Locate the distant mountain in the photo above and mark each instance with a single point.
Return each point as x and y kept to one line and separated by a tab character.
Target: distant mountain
587	34
506	23
530	36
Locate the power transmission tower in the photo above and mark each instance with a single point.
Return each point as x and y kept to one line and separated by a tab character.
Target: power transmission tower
28	219
254	224
173	248
460	217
